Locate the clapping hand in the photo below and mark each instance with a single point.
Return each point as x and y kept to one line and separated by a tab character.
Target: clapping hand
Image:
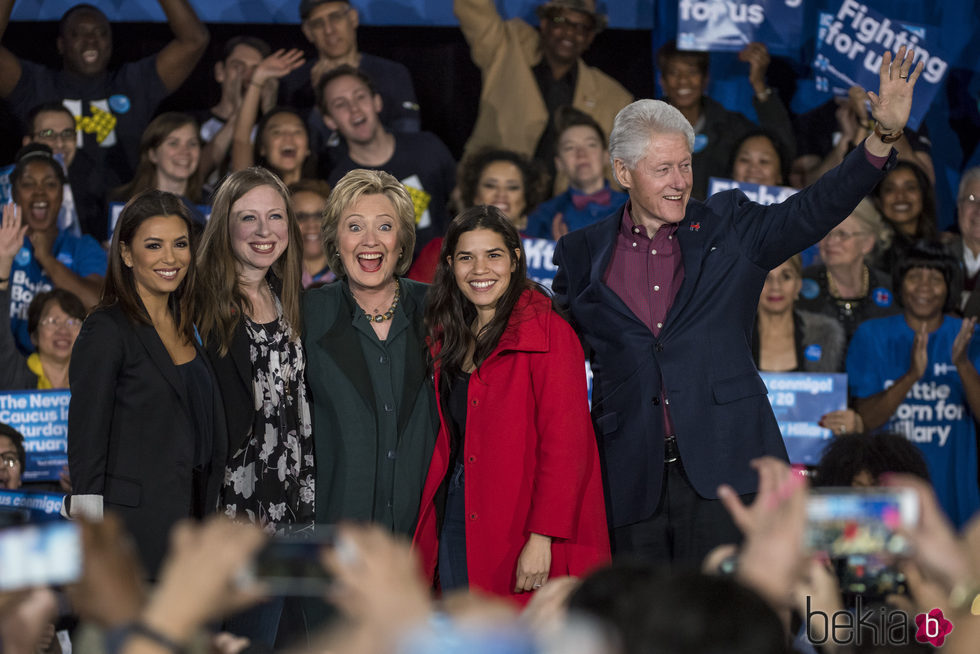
961	344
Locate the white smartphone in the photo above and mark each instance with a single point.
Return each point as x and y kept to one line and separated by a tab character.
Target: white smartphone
42	554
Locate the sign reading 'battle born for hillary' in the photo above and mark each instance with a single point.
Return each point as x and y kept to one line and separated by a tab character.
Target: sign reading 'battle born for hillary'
850	45
730	25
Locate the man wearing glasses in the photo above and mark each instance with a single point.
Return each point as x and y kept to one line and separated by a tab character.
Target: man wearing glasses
12	457
331	26
83	208
528	75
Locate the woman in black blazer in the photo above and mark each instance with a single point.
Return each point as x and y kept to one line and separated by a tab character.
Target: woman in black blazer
146	427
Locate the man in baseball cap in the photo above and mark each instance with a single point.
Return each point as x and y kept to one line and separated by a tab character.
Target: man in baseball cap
528	74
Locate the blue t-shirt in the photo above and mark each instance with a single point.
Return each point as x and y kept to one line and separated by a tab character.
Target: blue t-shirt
80	254
934	414
539	221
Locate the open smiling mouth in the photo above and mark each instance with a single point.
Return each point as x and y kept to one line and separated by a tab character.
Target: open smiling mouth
370	261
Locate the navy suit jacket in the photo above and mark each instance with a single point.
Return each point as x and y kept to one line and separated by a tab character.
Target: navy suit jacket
702	361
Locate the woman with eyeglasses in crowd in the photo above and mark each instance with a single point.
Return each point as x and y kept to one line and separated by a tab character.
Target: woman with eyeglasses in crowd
53	320
845	286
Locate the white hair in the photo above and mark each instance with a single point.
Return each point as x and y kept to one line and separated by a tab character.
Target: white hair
970	175
637	123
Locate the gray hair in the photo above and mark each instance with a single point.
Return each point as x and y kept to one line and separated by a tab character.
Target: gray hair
636	124
970	175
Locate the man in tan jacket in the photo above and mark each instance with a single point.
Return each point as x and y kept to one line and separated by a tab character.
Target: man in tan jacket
528	74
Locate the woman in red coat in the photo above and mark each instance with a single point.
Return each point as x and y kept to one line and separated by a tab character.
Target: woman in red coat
513	494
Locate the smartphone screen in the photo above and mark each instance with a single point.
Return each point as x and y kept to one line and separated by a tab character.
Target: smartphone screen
290	565
847	521
48	554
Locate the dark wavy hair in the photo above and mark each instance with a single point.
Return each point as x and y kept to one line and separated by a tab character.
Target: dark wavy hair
471	168
781	151
934	256
120	286
850	454
449	314
926	226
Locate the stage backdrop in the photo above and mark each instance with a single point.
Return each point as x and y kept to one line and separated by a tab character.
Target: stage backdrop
623	14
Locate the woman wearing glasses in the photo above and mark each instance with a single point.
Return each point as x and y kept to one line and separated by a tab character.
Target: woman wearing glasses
845	286
53	320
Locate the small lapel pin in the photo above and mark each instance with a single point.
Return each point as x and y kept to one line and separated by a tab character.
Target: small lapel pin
695	227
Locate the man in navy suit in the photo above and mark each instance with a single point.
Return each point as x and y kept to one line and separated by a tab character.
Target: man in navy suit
664	293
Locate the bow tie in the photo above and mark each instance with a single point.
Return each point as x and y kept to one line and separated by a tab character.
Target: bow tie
602	197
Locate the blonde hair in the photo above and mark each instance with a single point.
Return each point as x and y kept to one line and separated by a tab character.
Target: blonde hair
348	191
219	302
870	218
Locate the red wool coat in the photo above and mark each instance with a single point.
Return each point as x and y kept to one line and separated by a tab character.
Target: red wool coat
529	454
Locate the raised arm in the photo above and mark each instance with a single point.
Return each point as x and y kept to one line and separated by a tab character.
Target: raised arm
483	29
890	107
9	64
271	69
178	58
769	107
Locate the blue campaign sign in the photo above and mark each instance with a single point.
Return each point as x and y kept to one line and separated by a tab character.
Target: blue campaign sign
756	192
730	25
799	399
851	42
5	191
540	252
42	417
40	506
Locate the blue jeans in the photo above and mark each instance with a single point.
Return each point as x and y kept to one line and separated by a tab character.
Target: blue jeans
452	540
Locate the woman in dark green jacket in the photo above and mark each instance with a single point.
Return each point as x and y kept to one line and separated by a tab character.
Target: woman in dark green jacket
374	411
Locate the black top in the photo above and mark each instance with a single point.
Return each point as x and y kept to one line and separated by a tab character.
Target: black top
555	93
197	381
456	409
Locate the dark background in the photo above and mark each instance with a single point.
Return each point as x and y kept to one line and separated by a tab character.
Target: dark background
447	82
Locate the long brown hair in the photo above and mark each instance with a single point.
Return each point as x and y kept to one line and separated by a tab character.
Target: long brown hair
120	286
219	302
448	314
146	171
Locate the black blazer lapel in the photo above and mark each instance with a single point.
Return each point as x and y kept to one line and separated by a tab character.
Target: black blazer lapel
341	342
147	335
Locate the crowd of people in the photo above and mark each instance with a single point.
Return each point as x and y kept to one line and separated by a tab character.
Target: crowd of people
293	317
